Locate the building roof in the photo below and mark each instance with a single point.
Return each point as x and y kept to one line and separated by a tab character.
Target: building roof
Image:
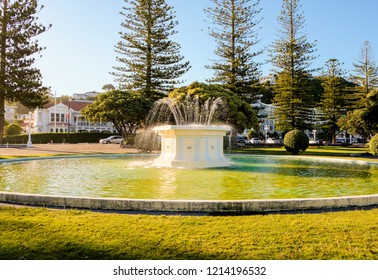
76	105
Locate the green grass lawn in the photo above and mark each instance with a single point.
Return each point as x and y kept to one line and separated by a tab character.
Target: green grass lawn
32	233
27	233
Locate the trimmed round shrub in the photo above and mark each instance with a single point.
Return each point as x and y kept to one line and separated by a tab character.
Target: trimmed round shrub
296	142
373	145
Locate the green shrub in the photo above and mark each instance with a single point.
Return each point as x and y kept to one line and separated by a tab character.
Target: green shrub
12	129
373	145
296	142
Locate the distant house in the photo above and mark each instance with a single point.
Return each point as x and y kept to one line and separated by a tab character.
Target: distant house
10	113
85	96
268	78
66	116
266	116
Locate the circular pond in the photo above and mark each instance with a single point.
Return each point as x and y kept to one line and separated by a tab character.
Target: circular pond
133	177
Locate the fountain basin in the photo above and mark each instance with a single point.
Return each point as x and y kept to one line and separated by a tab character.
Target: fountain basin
192	146
253	184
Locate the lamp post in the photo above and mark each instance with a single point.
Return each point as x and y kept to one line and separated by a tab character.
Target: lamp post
29	144
69	119
314	131
266	128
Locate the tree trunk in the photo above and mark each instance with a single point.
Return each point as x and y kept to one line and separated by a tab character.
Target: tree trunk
3	46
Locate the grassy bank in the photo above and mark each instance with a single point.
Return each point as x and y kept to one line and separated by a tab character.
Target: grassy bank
27	233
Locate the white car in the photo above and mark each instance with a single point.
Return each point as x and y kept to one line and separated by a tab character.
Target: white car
115	139
272	141
255	141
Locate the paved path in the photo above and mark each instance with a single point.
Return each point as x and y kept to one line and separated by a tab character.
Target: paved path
63	149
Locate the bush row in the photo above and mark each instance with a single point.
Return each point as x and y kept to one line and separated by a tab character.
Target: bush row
44	138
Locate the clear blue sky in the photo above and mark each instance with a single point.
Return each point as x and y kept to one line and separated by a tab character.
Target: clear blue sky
80	45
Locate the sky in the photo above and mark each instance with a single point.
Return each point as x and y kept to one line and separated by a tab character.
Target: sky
80	53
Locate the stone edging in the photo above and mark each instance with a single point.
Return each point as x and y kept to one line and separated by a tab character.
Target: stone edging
196	206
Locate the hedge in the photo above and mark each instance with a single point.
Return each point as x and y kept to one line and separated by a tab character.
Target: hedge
44	138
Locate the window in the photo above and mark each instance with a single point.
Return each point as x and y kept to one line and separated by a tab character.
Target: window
52	115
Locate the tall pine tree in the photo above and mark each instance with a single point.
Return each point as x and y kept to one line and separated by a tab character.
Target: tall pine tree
235	30
292	55
363	120
366	74
19	81
149	60
334	100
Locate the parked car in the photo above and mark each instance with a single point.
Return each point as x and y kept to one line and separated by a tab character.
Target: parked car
115	139
255	141
242	139
272	141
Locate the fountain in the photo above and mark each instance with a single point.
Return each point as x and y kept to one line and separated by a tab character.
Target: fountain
192	142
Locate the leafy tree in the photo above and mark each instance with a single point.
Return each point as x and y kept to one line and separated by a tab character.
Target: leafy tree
235	112
108	87
19	81
150	61
13	129
125	109
369	114
292	55
234	28
353	123
334	100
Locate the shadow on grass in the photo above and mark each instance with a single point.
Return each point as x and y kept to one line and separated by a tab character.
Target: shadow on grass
312	151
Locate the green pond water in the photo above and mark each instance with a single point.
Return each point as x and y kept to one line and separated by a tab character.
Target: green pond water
250	177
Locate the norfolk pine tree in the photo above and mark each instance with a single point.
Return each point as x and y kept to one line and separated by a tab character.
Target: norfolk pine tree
19	81
149	61
362	120
334	100
234	28
292	55
366	74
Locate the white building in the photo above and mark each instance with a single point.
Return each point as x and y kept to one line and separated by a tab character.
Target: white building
266	116
10	113
66	116
269	78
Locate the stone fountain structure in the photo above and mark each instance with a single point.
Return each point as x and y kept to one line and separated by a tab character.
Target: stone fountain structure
192	142
192	146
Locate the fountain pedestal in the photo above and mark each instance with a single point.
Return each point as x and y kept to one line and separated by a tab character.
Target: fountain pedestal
192	146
